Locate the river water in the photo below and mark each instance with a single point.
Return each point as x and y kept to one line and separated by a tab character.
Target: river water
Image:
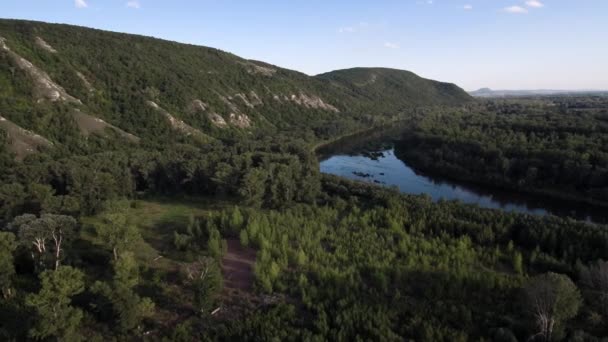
382	167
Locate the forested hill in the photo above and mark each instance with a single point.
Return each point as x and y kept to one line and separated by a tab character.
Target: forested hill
399	87
60	82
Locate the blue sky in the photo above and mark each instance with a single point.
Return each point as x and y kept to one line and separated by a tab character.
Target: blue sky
502	44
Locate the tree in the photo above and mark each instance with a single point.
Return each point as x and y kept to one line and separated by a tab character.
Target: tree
129	307
214	244
518	263
595	279
54	231
115	231
236	219
205	278
12	198
552	299
253	187
7	268
56	318
244	238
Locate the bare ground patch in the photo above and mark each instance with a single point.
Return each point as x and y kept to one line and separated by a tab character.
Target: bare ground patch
89	124
179	125
44	45
21	141
44	87
237	267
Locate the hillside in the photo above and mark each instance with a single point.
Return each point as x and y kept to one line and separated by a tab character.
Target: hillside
51	76
400	88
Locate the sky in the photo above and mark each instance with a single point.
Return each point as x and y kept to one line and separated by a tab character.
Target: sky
501	44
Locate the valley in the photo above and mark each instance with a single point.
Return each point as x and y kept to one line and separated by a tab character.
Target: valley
158	191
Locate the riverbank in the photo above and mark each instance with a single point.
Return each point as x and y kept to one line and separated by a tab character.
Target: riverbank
495	184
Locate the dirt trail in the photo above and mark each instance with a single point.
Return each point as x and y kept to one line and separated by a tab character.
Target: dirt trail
237	267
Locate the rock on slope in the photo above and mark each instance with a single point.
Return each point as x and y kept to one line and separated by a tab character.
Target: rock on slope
20	141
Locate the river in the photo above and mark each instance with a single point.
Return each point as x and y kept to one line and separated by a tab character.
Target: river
379	165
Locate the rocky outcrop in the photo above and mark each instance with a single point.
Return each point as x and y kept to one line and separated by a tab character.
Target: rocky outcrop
217	120
85	82
255	69
88	124
177	124
245	100
44	45
202	107
240	120
255	99
312	101
198	105
236	117
22	142
44	87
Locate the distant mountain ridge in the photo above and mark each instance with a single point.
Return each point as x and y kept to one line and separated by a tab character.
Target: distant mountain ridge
487	92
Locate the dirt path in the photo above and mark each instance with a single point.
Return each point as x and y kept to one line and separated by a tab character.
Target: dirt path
237	267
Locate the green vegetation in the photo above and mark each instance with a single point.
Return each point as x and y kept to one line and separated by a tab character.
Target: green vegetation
239	237
123	72
555	146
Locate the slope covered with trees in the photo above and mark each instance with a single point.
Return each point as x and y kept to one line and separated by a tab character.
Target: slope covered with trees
162	153
47	71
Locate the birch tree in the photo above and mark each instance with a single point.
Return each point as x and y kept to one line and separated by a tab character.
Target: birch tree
552	299
45	237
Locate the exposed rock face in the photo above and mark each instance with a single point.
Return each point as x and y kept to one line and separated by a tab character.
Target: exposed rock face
200	106
44	45
244	99
176	123
312	101
44	87
21	141
236	117
217	119
229	103
240	120
89	124
255	69
3	44
255	99
308	101
86	82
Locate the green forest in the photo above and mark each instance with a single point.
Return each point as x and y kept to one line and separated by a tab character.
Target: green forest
187	227
554	146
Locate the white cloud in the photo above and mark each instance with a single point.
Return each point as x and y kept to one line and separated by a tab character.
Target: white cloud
347	29
468	7
361	26
534	3
390	45
80	4
134	4
515	10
